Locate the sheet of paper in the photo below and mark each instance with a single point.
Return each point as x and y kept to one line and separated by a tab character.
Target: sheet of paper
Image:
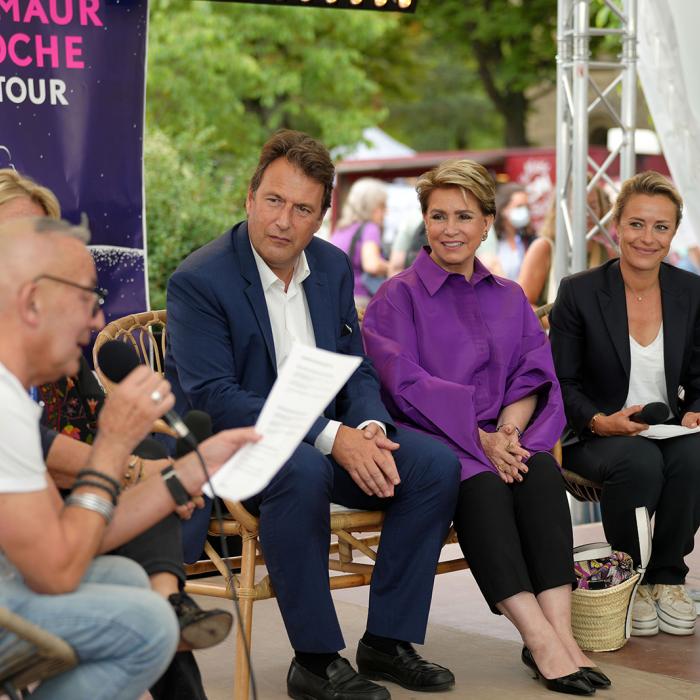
661	431
306	384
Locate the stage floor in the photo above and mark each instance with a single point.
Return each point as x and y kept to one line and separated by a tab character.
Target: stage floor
482	649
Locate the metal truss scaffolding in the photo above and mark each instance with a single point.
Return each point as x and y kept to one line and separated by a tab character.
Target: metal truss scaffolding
578	94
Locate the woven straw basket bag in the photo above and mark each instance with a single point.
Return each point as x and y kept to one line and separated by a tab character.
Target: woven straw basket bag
601	619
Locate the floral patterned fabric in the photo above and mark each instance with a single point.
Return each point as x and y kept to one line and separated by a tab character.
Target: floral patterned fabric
72	404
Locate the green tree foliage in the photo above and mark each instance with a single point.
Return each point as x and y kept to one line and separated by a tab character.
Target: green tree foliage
222	77
510	44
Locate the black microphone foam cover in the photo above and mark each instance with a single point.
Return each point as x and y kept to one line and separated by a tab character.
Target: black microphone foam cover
149	448
200	427
652	413
117	359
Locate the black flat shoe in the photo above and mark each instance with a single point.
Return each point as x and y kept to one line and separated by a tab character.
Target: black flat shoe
406	668
596	677
573	684
342	682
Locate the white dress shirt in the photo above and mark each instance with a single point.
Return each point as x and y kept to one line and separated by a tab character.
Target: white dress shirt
291	322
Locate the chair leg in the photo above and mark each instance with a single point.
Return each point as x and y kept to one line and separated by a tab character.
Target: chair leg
246	593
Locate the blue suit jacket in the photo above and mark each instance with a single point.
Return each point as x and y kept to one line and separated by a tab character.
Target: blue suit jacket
221	357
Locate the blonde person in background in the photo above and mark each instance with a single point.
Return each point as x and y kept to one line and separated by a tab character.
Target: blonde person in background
537	271
359	234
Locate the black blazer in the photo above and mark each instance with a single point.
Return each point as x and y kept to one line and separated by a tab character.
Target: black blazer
590	342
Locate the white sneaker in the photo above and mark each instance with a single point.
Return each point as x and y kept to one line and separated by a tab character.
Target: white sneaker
645	621
675	608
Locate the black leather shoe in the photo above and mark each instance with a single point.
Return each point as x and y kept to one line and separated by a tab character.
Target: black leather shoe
596	677
405	667
343	683
573	684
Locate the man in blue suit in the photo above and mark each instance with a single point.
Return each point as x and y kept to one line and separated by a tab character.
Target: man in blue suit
234	309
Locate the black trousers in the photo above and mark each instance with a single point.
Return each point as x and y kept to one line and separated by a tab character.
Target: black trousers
664	476
516	537
158	549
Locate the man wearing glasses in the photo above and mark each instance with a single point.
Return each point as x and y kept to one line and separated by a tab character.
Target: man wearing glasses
74	403
124	634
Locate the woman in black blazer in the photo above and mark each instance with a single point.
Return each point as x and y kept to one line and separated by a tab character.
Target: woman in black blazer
623	335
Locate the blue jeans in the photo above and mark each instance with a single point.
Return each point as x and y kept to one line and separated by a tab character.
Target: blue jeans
123	633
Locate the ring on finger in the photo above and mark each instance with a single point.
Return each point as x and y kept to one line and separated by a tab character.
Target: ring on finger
510	446
156	396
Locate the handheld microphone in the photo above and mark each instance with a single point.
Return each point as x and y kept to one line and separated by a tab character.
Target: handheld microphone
117	359
200	427
652	413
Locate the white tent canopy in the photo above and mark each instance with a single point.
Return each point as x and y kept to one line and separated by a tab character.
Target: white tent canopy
669	55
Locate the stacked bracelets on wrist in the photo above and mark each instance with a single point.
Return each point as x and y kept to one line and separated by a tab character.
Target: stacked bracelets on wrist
91	501
517	430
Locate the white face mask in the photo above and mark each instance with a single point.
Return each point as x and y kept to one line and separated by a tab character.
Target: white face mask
519	217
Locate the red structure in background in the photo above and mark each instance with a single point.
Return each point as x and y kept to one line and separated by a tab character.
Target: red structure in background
534	168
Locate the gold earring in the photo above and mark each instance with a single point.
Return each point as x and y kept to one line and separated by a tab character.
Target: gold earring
485	236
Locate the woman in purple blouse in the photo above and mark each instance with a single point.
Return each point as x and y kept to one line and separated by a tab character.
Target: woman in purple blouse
462	357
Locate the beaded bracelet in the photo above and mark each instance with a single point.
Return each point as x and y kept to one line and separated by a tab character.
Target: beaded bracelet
132	475
89	501
97	485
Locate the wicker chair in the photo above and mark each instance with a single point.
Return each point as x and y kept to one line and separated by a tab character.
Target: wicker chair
29	654
581	489
351	531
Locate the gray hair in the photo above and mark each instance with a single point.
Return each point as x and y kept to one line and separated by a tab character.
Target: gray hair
365	195
81	231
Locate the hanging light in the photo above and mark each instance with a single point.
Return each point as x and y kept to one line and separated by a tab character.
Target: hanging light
381	5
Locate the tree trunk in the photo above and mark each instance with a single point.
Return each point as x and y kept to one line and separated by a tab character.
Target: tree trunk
513	107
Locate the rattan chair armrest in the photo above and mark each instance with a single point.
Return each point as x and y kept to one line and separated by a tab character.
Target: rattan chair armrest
246	520
48	644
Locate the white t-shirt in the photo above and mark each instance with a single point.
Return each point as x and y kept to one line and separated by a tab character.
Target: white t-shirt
647	372
22	467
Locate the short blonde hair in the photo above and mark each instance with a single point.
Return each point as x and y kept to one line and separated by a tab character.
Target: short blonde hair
649	183
14	185
467	175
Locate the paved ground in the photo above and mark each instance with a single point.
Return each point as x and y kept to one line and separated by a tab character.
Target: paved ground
482	649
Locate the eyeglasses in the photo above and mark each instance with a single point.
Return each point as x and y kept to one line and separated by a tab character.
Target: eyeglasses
99	293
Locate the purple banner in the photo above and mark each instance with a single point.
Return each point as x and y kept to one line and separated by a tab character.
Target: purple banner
72	78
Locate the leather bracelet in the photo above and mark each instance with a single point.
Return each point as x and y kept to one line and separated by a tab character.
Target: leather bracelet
174	485
101	475
89	501
97	485
591	422
517	430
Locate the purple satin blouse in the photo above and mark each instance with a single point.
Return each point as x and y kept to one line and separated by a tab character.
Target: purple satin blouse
452	353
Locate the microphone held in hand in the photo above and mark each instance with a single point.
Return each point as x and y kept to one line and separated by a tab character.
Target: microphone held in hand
200	427
652	413
117	359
